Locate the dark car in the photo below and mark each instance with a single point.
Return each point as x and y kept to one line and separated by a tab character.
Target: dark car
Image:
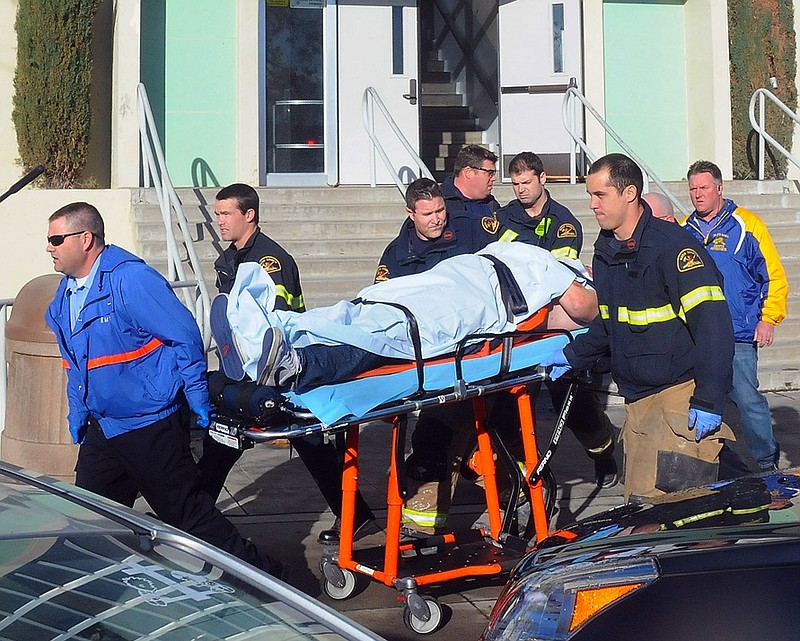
718	562
75	566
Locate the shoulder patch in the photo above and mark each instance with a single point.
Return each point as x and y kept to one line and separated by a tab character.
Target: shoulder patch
381	274
270	264
567	230
490	224
688	259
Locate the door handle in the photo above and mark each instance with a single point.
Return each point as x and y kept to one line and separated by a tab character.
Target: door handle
411	96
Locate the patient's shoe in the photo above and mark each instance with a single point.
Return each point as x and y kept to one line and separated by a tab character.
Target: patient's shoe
229	355
279	364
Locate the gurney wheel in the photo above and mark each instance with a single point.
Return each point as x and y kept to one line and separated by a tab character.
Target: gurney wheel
418	623
343	588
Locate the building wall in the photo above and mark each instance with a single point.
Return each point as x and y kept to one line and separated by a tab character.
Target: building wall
10	172
646	85
189	55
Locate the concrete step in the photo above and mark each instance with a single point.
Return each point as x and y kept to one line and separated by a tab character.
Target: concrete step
433	76
430	114
338	234
300	228
452	137
433	65
343	195
432	150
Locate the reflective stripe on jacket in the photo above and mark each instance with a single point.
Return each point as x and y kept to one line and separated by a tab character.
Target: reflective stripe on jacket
662	314
135	350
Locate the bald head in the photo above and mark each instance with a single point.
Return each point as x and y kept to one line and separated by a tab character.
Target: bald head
661	206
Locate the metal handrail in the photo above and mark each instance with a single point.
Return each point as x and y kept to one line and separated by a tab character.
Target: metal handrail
155	174
569	118
760	128
368	102
5	305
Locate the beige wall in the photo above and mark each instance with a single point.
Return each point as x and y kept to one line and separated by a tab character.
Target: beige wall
24	220
709	84
9	171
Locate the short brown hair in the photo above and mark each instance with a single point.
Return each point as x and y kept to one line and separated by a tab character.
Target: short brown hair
705	167
472	156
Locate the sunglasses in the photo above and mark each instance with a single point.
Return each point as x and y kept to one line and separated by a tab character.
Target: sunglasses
58	239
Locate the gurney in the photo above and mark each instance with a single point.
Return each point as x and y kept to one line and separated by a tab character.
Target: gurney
482	365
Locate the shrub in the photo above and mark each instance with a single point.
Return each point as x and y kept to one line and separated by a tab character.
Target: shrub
51	111
762	45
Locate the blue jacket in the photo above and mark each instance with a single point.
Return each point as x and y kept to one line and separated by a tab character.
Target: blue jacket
662	313
754	279
555	229
135	351
405	255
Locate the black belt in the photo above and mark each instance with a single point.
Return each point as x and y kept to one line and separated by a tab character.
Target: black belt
510	291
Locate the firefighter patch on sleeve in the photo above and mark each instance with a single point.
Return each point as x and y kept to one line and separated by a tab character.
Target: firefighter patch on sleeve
490	224
381	274
567	230
688	259
270	264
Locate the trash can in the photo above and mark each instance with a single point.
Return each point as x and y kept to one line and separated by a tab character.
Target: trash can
36	436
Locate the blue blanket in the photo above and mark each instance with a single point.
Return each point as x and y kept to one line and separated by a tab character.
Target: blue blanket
331	403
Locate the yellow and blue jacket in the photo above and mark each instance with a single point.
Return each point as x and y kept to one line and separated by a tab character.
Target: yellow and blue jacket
755	281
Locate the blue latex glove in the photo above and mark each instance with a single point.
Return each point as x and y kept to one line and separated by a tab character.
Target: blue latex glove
204	414
78	433
703	423
557	362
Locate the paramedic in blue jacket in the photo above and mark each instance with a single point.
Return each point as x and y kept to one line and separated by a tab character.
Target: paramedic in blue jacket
135	368
756	290
469	189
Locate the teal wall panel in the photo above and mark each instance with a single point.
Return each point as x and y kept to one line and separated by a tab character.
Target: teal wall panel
192	72
645	83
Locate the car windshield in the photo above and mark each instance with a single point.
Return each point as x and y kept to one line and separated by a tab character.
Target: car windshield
119	587
67	572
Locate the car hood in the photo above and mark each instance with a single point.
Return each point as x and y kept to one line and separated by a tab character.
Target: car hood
758	508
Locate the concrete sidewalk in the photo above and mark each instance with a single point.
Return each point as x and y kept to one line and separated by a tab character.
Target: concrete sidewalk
272	499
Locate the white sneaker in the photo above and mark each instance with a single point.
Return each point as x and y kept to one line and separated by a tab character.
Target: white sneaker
279	364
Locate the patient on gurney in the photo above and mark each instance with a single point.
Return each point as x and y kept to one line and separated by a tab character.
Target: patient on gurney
488	292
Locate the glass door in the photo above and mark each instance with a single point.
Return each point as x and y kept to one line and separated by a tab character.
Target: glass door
294	107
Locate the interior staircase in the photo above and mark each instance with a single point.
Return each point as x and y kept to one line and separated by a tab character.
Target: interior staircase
338	234
446	125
